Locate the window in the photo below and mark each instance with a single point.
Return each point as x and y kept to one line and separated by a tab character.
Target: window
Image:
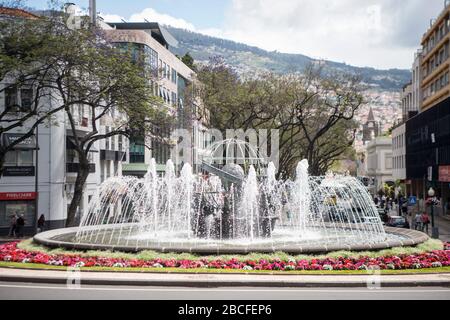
19	158
26	98
18	99
174	75
107	144
120	143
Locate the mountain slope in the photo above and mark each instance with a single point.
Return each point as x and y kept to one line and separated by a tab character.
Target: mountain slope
247	58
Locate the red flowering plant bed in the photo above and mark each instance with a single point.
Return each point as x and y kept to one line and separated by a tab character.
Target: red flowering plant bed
433	259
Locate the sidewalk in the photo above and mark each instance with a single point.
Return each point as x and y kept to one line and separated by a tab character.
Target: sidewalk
222	280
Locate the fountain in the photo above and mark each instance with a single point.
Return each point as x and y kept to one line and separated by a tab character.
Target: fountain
235	208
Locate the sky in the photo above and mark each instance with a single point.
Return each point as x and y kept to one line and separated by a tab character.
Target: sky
375	33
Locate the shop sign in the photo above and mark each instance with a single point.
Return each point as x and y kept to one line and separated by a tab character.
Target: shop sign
17	196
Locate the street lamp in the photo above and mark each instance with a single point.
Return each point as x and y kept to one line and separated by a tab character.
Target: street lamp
434	230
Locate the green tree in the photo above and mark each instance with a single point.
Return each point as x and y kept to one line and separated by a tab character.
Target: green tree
313	112
188	60
73	69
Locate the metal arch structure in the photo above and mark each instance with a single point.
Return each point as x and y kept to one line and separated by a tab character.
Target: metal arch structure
236	152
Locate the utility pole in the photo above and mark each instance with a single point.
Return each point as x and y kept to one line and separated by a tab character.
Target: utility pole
93	12
36	183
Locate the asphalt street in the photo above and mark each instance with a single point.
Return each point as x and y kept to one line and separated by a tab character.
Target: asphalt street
20	291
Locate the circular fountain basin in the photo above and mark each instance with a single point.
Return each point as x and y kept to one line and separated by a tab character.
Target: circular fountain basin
284	240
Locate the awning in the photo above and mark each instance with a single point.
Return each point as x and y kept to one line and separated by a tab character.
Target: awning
28	144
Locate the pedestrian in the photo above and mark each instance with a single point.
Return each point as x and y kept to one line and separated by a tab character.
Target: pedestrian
405	208
13	226
418	222
20	225
425	222
41	223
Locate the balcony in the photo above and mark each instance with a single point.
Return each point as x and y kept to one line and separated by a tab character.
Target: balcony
109	155
75	167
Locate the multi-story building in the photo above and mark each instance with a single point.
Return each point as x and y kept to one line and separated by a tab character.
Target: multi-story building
436	61
43	169
149	43
40	174
416	84
428	133
407	101
379	162
399	152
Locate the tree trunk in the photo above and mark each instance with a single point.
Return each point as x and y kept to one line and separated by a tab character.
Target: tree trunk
80	182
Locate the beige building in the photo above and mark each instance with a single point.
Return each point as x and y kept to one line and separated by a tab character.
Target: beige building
436	61
150	43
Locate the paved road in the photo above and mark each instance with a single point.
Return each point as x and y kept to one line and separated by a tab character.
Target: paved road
9	291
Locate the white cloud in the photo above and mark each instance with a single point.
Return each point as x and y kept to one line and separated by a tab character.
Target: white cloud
111	17
379	33
376	33
154	16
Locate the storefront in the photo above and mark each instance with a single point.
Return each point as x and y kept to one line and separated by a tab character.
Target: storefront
17	203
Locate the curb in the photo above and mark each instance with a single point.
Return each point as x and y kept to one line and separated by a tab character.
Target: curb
244	281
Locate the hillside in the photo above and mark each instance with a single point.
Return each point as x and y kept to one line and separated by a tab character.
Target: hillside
247	58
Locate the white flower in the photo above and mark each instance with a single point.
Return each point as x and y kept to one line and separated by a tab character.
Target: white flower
26	260
436	265
328	267
390	266
247	268
7	258
158	265
118	265
79	264
289	268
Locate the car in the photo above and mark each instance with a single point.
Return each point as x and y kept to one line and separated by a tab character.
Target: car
398	222
371	220
383	215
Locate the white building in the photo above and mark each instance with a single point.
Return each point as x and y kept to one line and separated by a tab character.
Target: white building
379	162
55	161
399	152
152	41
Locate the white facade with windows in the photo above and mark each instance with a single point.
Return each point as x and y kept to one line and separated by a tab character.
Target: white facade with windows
55	163
380	161
399	152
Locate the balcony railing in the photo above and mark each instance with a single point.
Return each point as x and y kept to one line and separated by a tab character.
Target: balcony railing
75	167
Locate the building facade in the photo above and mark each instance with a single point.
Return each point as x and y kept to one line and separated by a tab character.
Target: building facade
428	132
149	43
379	162
40	174
436	61
399	153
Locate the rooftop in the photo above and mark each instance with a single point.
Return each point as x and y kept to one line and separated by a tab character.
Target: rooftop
157	31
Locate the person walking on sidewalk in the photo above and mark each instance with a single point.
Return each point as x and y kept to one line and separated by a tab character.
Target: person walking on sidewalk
425	222
418	222
20	225
13	226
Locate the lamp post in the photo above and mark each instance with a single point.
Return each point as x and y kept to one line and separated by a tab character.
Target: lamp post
434	229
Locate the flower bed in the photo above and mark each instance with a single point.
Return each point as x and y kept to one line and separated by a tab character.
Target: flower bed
434	259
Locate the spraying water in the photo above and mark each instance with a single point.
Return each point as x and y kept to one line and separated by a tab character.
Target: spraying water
190	210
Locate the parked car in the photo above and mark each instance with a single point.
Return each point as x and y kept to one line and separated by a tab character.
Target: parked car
370	220
383	215
398	222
